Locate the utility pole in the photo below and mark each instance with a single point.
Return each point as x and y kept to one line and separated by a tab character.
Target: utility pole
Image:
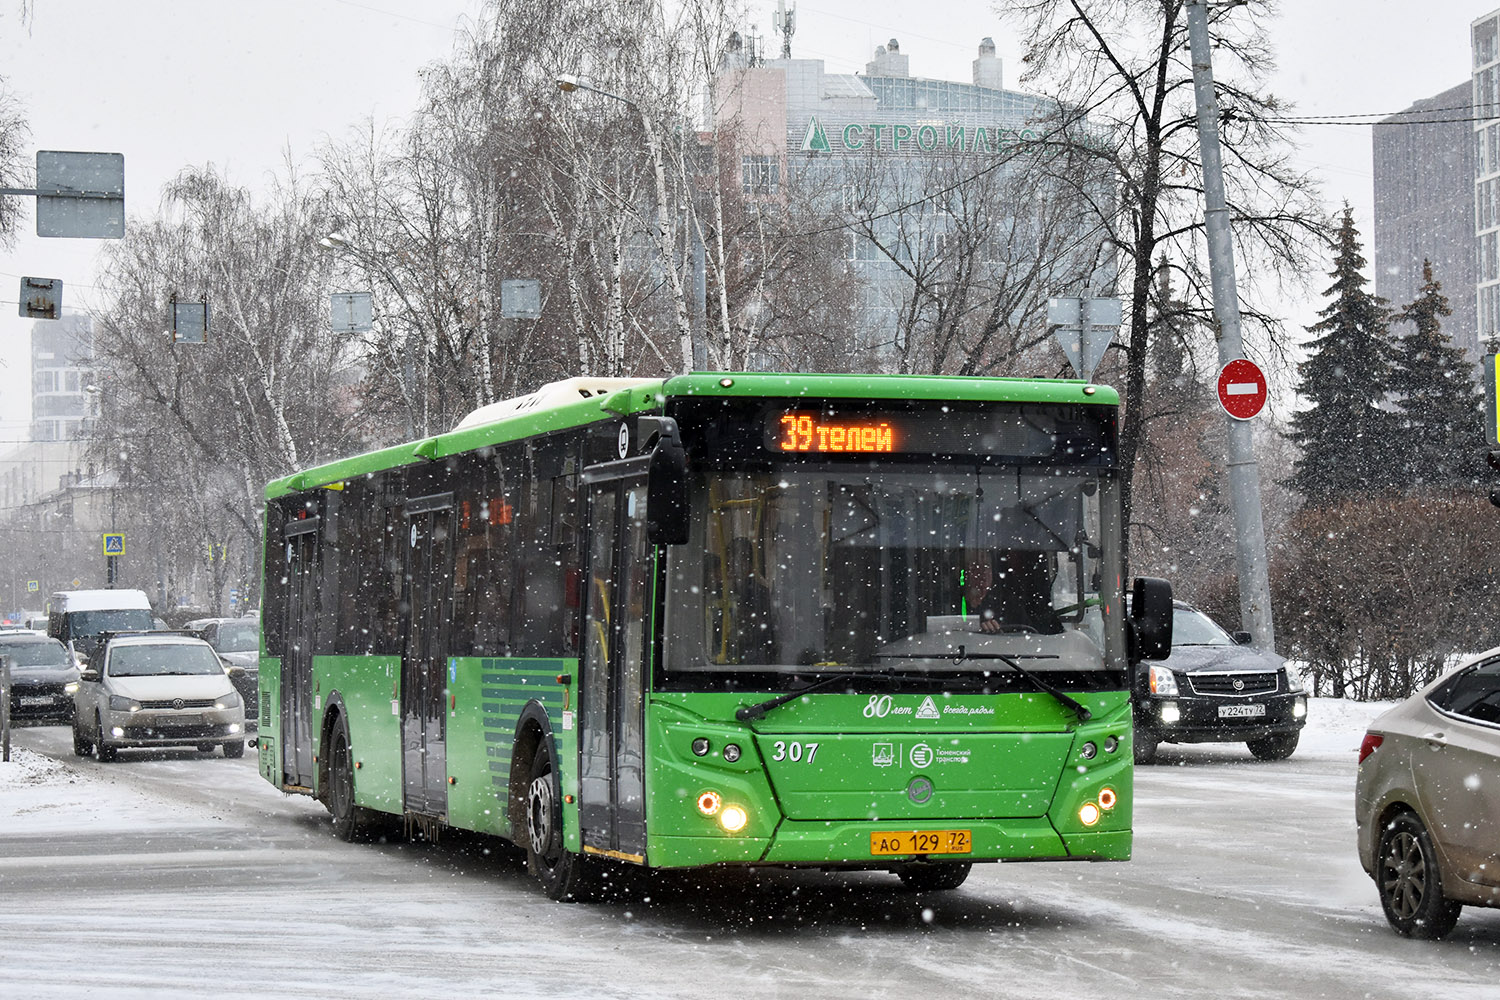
1244	475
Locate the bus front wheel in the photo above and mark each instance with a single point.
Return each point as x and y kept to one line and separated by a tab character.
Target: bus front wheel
565	876
940	877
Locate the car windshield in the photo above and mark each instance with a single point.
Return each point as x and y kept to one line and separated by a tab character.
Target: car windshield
91	623
891	571
238	637
49	653
1194	628
154	660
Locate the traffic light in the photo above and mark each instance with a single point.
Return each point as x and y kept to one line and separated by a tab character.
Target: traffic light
1493	458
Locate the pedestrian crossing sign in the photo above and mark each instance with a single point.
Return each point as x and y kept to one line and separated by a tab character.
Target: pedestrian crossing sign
114	545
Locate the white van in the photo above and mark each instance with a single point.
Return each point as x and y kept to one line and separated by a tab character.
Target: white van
78	617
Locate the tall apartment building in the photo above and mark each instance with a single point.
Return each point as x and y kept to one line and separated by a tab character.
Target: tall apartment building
1485	45
1424	160
61	356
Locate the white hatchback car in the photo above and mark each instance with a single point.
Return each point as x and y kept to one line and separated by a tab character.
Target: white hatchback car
152	689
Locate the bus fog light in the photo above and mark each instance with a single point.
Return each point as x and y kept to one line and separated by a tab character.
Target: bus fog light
1299	708
1112	744
1107	798
1087	751
708	803
731	752
1089	814
1169	712
700	747
733	819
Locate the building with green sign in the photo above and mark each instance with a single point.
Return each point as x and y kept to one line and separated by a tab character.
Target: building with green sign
965	204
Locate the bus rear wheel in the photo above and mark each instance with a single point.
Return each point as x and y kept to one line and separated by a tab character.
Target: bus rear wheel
350	822
565	876
934	878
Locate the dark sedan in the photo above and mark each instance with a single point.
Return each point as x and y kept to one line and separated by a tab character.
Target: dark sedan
40	674
1216	688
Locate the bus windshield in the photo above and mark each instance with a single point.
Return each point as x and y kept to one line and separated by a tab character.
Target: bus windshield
806	569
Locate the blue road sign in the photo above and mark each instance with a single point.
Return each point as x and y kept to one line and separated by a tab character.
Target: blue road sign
114	544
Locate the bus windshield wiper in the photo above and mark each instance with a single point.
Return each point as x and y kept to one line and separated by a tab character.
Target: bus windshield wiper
746	713
1083	713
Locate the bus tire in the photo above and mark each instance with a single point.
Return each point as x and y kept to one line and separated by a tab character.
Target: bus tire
934	877
351	822
565	876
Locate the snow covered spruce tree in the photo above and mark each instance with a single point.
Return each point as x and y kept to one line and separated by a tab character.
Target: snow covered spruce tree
1347	439
1435	394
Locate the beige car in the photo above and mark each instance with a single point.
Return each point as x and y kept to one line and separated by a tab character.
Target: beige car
156	689
1427	800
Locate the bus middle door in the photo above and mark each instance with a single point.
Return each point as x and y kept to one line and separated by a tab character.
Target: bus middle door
424	681
611	741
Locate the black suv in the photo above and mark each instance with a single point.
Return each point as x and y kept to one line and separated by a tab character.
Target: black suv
1216	688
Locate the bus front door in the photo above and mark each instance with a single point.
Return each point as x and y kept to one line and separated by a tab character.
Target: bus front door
424	681
300	539
611	741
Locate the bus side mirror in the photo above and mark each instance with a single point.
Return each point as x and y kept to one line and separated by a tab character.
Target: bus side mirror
666	481
1151	616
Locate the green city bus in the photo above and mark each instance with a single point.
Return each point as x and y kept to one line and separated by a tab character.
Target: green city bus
746	619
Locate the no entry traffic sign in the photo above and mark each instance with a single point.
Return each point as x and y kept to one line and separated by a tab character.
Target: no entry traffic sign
1242	389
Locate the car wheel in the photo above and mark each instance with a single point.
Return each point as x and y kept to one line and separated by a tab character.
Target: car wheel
234	748
934	878
565	876
1411	888
1273	747
82	745
105	751
1144	746
350	822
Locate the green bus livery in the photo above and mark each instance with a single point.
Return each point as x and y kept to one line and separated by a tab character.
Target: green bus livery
844	621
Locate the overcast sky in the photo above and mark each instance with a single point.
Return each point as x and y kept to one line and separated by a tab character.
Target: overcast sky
176	82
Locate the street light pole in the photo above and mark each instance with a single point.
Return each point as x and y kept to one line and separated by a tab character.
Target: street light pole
568	83
1244	474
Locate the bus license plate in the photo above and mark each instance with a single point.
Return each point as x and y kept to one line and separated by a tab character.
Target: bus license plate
1241	711
922	842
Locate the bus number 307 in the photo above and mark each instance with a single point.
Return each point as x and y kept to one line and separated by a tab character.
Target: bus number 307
795	752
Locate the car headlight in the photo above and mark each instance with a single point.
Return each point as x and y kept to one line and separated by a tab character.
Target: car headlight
1294	679
119	703
1163	681
230	700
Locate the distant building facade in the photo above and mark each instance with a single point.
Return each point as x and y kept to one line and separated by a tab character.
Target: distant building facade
1424	209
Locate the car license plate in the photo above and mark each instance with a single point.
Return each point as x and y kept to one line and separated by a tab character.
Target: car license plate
1241	711
922	842
35	699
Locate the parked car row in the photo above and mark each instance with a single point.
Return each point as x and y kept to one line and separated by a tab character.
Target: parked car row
107	666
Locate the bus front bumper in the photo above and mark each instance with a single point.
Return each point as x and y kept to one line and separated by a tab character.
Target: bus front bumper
835	844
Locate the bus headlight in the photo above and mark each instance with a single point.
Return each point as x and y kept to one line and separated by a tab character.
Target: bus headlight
733	818
1088	815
